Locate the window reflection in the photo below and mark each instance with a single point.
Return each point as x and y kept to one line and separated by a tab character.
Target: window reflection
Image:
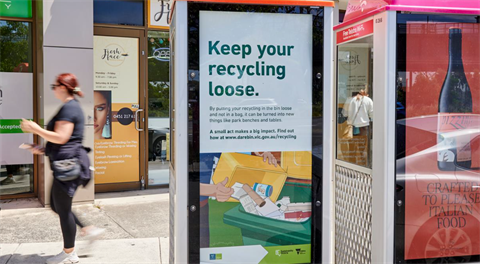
355	104
158	107
118	12
15	46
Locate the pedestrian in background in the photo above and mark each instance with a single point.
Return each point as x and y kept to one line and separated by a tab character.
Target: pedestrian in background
64	136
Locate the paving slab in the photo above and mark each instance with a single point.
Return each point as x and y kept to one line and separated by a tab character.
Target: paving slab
43	225
118	251
164	249
6	251
142	220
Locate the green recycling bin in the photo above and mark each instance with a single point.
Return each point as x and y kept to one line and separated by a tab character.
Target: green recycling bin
260	230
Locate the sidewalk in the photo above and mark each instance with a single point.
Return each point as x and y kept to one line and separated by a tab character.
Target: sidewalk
136	226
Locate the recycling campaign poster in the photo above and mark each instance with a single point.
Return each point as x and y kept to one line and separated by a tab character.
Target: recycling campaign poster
442	141
255	137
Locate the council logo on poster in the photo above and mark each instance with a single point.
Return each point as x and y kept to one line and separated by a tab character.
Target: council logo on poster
114	55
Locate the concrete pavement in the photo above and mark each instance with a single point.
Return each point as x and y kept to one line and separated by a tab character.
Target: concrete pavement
136	226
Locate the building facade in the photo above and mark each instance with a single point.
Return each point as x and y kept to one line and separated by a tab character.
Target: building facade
119	51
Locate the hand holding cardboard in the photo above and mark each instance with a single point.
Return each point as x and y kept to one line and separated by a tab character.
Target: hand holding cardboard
219	191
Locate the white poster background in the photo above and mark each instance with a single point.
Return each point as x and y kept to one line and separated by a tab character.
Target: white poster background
295	90
16	103
117	75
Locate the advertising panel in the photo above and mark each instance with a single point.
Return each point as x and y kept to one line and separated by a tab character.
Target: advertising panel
115	102
14	88
255	137
442	140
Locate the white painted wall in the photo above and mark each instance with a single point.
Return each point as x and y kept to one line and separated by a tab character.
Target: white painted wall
67	48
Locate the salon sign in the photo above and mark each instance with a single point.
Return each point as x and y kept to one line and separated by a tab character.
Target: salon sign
355	32
159	13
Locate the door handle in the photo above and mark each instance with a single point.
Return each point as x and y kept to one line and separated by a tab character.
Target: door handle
136	120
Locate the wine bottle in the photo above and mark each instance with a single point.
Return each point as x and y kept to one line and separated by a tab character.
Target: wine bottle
454	111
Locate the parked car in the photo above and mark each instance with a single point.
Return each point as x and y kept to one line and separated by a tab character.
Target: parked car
155	138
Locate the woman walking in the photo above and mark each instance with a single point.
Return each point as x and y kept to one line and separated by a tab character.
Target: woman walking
64	136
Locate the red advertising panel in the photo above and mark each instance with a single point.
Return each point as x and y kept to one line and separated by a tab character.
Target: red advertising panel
442	142
355	32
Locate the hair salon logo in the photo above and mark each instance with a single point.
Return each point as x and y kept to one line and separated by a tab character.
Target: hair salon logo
162	54
163	12
114	55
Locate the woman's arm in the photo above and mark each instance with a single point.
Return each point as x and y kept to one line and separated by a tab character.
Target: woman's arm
62	132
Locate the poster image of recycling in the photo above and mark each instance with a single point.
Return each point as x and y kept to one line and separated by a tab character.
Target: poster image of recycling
442	141
115	102
255	137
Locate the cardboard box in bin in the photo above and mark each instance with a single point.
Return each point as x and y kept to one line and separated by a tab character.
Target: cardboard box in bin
297	164
248	169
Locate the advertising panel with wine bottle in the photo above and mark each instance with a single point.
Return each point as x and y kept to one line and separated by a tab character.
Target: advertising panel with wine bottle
442	140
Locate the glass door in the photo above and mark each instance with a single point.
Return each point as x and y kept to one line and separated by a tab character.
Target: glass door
158	108
119	119
353	168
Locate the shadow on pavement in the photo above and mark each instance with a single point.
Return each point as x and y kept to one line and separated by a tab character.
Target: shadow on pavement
22	203
23	259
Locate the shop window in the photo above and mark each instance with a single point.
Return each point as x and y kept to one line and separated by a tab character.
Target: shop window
354	102
158	106
119	12
15	46
16	85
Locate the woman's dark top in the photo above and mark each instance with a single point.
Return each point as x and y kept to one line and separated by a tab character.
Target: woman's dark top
70	112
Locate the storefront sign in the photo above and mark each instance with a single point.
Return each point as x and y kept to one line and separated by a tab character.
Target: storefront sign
442	140
355	32
115	101
158	13
15	88
255	137
16	8
162	54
